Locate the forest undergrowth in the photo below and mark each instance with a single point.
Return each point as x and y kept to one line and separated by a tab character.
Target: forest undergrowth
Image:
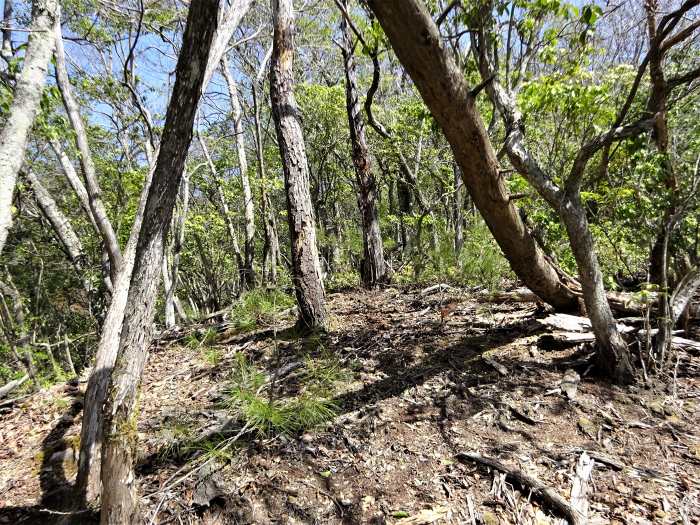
372	422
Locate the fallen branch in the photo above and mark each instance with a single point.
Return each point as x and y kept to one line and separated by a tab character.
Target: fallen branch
12	385
550	496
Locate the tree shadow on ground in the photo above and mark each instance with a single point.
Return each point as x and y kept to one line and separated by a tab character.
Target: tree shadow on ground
59	461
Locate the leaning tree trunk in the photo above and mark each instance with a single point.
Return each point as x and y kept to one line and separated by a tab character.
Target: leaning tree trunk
248	277
445	92
61	226
306	269
99	211
25	105
88	482
119	499
74	181
373	266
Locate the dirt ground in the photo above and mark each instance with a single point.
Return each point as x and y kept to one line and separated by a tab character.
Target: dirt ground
419	391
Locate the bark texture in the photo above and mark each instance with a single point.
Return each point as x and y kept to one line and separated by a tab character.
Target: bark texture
306	268
88	480
373	267
25	105
417	43
119	498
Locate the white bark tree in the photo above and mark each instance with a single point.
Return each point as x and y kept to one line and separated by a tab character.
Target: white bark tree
25	105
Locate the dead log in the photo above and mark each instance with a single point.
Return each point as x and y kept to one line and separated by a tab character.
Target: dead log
547	494
12	385
564	339
685	344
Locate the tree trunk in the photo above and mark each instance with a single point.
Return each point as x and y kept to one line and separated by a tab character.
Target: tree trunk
119	499
74	181
373	267
61	226
659	257
225	211
271	247
99	212
88	480
170	273
306	270
457	212
25	105
248	276
612	353
446	94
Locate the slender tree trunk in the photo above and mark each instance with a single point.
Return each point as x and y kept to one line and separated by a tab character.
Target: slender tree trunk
170	273
99	212
659	258
68	358
306	270
271	247
457	212
74	181
373	266
169	304
25	105
225	211
612	352
613	355
88	480
15	328
418	44
248	277
7	51
61	226
119	499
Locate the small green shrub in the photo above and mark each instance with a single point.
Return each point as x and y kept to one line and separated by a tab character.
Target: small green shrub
258	308
212	356
198	339
270	416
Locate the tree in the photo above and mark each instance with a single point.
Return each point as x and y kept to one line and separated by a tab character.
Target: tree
373	269
119	500
99	211
445	92
89	464
306	269
248	274
27	95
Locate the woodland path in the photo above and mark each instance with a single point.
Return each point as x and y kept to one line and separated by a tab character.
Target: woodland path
414	392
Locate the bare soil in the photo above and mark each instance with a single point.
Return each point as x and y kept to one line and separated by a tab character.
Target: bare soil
422	386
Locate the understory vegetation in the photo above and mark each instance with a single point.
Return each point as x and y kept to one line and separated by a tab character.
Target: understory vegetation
271	190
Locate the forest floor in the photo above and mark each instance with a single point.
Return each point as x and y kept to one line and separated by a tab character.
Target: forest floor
412	392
